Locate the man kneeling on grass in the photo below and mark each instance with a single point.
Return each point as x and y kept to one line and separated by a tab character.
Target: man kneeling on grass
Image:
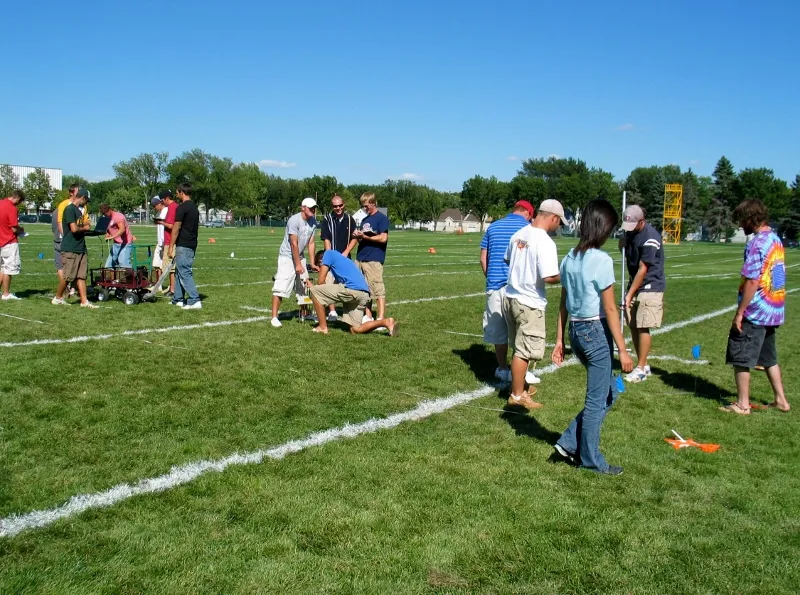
350	290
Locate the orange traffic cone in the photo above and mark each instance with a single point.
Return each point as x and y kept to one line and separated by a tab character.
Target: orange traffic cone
431	250
212	241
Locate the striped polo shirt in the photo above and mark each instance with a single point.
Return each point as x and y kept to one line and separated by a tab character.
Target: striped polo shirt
495	242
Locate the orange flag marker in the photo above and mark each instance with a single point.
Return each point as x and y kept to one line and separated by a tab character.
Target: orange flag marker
682	443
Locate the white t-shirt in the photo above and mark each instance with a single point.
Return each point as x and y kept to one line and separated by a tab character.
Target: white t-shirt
160	215
303	229
531	256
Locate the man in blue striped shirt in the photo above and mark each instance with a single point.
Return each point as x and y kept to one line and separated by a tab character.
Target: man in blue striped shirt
493	251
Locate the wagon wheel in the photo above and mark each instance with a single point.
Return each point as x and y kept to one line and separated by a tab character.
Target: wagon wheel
130	298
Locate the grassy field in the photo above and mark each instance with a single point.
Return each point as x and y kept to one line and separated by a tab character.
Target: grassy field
466	500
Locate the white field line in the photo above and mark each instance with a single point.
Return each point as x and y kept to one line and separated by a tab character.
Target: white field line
235	284
467	272
436	299
23	319
704	263
675	358
144	331
14	524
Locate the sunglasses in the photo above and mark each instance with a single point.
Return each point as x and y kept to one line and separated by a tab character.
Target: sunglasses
338	206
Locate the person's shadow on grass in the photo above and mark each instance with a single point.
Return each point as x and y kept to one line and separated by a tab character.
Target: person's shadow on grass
26	293
482	362
693	384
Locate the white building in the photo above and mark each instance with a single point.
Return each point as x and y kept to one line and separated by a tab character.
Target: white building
23	171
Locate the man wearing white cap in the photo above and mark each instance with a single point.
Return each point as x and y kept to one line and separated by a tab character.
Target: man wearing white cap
532	262
644	299
292	271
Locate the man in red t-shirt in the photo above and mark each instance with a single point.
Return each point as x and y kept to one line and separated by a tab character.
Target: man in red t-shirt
168	222
9	246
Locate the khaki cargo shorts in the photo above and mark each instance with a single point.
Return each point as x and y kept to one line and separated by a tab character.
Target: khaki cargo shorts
353	302
75	265
373	273
526	330
647	310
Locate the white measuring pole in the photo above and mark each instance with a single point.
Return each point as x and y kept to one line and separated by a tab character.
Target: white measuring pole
622	276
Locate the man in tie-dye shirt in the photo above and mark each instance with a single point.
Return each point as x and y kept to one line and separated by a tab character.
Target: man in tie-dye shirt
762	295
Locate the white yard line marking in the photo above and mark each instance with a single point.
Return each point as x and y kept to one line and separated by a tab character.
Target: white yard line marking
25	319
436	299
235	284
468	272
463	334
144	331
704	263
674	358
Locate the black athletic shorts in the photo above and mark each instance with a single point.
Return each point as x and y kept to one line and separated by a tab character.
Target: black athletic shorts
754	346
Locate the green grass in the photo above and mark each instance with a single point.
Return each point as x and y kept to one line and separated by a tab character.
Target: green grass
464	501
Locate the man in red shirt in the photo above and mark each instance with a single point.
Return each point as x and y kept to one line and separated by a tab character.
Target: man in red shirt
9	246
168	222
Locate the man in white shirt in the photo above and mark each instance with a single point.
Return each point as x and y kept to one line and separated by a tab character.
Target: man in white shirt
160	213
532	263
292	272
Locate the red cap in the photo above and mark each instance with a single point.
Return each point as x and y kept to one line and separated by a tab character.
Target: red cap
524	204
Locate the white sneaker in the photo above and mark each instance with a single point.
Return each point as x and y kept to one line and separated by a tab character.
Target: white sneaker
275	322
59	302
195	306
366	319
638	375
179	304
532	378
10	296
647	370
503	375
89	305
333	316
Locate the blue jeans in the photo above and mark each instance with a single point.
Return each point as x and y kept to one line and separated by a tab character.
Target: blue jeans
184	259
592	344
119	256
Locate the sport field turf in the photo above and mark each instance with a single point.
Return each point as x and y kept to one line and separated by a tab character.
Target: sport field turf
466	500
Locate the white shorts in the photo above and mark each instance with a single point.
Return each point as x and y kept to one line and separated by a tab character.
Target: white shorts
158	257
287	280
495	329
9	259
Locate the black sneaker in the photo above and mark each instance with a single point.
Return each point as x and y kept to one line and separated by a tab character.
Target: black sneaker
564	453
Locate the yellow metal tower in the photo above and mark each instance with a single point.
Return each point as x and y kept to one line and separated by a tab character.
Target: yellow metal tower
673	208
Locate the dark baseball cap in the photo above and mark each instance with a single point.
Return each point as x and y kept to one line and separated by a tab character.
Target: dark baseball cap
83	192
156	200
165	194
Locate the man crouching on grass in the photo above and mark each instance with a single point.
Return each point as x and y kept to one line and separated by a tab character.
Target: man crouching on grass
350	290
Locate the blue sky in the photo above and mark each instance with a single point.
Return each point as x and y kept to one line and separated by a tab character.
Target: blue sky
436	91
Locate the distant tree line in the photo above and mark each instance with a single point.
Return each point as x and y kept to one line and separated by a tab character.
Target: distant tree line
249	192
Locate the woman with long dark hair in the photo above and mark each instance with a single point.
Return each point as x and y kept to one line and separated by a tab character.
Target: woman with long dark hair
587	297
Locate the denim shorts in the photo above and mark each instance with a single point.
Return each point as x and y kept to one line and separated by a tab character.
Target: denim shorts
754	346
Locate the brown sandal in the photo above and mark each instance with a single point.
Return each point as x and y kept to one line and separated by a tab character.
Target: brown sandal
735	408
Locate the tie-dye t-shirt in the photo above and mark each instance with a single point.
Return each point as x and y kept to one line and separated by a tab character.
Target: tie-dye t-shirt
764	261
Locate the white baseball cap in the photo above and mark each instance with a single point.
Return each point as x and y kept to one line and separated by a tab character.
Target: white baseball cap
309	203
553	206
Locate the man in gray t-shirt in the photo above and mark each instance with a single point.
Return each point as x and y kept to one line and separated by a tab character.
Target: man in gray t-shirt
292	272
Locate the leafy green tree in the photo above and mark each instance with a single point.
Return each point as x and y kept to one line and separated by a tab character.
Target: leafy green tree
718	215
8	181
38	190
248	191
484	197
792	227
125	199
569	181
761	183
146	172
194	167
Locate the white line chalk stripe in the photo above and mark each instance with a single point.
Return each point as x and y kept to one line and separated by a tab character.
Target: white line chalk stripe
144	331
675	358
14	524
24	319
436	299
